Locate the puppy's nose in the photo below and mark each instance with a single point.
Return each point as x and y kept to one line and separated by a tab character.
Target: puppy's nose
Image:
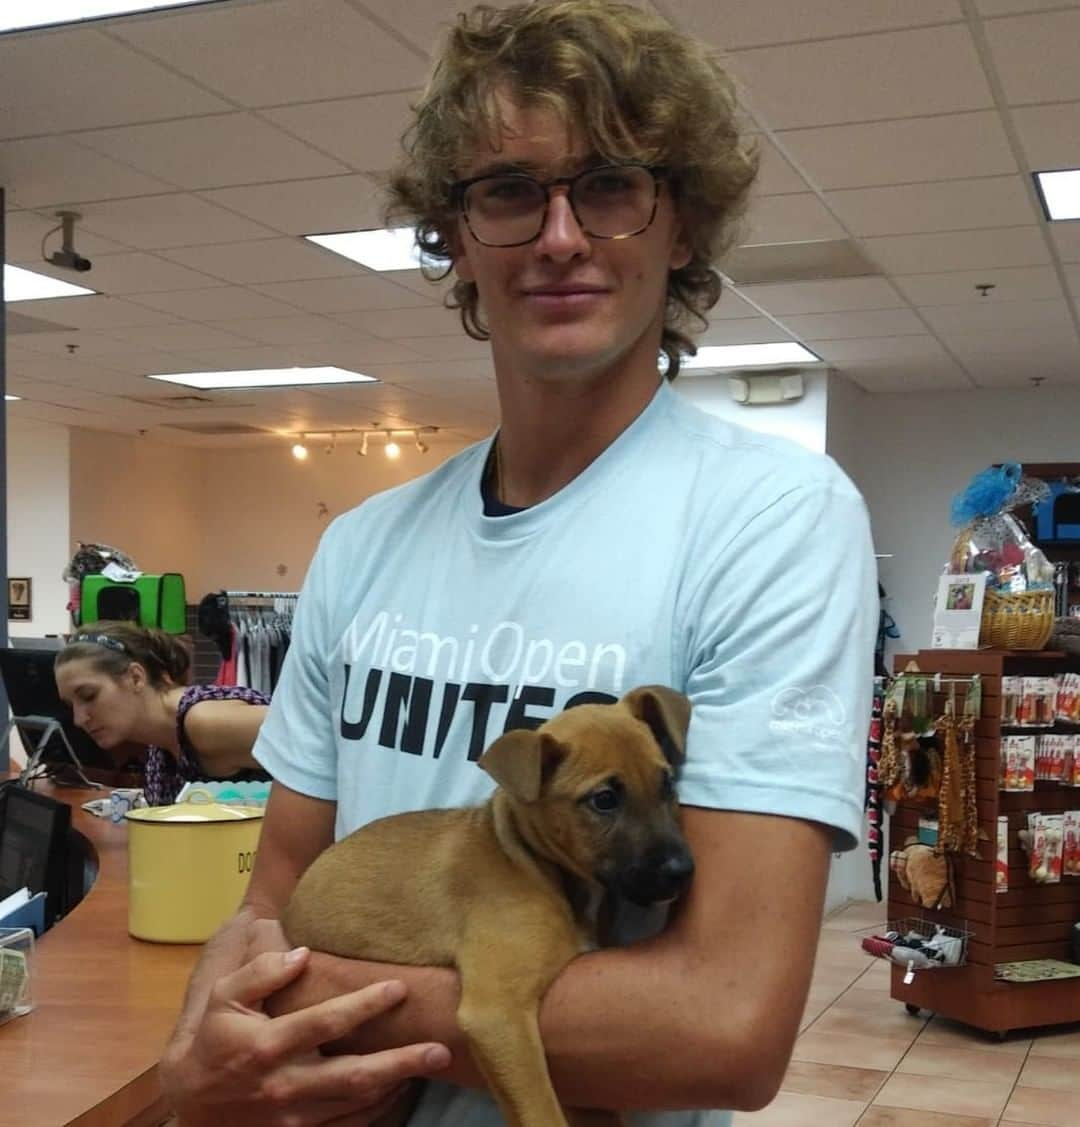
676	870
663	876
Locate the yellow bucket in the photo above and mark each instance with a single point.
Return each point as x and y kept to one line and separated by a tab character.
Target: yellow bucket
188	868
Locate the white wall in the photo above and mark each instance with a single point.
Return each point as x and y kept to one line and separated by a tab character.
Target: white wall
264	511
37	533
233	519
921	450
38	520
803	420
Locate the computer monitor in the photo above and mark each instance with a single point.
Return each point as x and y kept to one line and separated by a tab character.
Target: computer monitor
35	833
31	691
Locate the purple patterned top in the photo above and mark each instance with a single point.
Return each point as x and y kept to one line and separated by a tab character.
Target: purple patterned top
165	776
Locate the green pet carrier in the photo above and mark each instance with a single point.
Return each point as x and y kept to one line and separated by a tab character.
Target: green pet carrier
151	600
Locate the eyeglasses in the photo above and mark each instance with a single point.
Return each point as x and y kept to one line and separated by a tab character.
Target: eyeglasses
609	201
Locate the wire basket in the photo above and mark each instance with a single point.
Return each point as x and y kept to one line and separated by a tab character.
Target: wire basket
919	944
1021	621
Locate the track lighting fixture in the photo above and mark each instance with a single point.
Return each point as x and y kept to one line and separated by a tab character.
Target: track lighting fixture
390	446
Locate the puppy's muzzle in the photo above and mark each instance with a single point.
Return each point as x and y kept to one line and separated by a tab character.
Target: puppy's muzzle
663	873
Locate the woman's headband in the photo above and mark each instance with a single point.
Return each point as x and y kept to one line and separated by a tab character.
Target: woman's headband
99	640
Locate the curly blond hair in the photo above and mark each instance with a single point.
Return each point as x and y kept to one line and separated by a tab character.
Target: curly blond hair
638	89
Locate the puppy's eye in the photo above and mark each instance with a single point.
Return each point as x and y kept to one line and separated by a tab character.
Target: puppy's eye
604	801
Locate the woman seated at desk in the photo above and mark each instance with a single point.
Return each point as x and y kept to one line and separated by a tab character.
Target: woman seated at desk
127	684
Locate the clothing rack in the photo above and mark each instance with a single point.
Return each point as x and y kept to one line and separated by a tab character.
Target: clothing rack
252	599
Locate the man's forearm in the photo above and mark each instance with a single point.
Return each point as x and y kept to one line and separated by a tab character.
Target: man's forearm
609	1023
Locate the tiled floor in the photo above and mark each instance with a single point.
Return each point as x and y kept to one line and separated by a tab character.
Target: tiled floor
862	1059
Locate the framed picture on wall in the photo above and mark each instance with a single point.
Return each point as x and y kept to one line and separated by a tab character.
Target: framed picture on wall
20	605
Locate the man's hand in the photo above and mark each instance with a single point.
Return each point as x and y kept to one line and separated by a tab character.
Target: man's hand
240	1066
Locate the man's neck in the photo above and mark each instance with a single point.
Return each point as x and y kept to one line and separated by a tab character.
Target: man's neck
551	432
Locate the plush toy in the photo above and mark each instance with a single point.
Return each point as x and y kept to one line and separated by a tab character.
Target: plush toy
922	874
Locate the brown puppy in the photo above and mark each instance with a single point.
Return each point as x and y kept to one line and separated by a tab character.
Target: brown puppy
509	892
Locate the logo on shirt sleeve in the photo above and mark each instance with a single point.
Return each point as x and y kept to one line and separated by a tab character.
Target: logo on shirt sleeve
817	713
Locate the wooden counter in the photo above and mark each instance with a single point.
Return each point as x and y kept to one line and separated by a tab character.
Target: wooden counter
105	1005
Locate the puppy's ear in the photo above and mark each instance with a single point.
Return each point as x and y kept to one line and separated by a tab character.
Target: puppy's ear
667	713
522	761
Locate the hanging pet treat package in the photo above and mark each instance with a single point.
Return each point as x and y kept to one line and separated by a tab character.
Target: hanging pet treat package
1018	606
1001	865
1070	861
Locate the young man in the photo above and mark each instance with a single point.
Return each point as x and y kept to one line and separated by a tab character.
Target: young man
578	164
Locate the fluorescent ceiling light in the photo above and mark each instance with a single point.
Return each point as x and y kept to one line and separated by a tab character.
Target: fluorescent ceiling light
1060	193
42	13
391	248
27	285
11	397
750	355
264	377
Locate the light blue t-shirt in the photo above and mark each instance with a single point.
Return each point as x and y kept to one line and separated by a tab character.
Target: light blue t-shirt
733	566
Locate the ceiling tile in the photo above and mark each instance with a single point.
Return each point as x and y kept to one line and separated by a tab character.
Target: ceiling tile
959	250
1050	135
182	337
1035	56
212	152
775	176
989	8
140	273
955	322
265	260
224	303
852	326
749	23
953	146
884	349
1066	238
908	377
339	295
743	330
250	52
732	305
359	353
430	375
832	296
53	170
234	359
789	219
456	347
363	132
1023	345
159	222
1014	283
948	205
295	329
422	21
435	321
1055	366
898	74
1072	279
91	312
418	282
307	207
81	90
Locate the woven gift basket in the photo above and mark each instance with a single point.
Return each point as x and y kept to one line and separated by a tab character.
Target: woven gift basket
1024	621
1018	607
